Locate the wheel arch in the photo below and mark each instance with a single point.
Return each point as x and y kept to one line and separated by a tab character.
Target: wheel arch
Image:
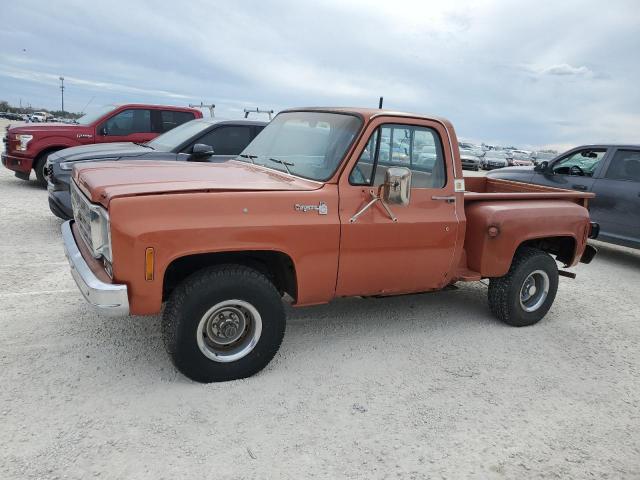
41	155
275	265
562	247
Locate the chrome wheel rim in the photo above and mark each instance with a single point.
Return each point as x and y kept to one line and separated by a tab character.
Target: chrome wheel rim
229	331
534	290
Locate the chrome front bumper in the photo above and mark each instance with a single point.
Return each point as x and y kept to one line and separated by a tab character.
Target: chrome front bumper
106	297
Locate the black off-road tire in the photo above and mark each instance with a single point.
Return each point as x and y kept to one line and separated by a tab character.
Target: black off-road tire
505	291
38	168
201	291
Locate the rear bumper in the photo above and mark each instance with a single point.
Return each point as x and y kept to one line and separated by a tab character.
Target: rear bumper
488	166
16	163
470	164
108	298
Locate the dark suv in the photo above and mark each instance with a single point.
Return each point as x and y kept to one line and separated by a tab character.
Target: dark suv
203	140
612	172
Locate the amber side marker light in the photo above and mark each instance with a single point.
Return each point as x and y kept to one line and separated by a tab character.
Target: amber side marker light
148	264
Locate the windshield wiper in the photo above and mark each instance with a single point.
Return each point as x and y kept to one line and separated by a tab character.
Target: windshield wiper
249	156
285	164
143	145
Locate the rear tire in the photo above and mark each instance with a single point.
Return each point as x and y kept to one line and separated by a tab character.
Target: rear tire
223	323
525	294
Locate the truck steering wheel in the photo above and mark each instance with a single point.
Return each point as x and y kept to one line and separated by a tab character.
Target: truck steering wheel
576	170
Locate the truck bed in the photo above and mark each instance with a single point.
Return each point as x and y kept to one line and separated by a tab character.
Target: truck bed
483	188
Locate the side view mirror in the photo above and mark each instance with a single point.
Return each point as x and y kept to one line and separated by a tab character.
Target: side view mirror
103	131
396	189
542	166
201	150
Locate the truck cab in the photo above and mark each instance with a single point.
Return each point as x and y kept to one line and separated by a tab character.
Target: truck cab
28	146
324	203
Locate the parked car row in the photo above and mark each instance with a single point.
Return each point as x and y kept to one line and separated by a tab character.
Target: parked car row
488	157
37	117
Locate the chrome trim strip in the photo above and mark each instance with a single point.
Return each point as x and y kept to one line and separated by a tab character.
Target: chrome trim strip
109	298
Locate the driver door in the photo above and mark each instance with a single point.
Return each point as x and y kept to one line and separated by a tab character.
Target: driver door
576	170
130	125
415	253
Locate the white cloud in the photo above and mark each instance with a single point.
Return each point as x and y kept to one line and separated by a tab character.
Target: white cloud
566	69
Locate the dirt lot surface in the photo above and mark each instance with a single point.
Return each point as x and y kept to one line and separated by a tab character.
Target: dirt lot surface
421	386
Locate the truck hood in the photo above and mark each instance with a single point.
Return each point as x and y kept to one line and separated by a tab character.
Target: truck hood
519	174
98	151
104	181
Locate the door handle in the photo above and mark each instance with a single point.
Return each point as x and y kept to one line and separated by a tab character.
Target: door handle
448	199
579	187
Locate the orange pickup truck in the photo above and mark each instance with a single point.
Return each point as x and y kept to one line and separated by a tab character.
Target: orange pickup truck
324	203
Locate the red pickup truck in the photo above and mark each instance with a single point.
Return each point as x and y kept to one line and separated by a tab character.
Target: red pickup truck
323	203
27	146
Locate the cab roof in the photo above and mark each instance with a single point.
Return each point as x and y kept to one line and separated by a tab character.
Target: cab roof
367	113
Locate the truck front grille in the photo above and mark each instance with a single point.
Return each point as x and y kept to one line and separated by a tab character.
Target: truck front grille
81	213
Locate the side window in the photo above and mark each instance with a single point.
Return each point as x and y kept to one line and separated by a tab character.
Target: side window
395	146
581	163
227	140
625	165
170	119
416	148
128	122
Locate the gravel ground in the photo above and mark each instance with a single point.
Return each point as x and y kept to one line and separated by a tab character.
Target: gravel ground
421	386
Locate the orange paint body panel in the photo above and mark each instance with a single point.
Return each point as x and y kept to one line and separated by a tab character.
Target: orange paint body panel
184	209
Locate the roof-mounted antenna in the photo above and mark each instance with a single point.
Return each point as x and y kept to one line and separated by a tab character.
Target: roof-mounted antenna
247	111
380	103
211	107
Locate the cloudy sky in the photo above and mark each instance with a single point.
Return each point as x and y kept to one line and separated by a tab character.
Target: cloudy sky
515	72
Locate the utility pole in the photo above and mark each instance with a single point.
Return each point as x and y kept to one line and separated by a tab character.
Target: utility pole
62	92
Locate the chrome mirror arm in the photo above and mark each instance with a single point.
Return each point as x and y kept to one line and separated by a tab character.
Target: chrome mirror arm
374	199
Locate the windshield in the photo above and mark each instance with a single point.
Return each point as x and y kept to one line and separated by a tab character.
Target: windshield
91	117
306	144
178	135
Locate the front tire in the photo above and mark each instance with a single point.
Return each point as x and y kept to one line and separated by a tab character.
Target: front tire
525	294
223	323
38	168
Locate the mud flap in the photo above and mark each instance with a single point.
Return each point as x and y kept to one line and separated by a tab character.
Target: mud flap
589	252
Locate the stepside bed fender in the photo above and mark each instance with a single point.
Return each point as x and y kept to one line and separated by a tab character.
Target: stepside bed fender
495	230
